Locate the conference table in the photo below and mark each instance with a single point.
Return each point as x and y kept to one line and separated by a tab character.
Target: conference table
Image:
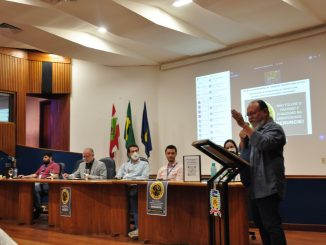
101	207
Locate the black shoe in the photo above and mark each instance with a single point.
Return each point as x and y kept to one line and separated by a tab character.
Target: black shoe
37	213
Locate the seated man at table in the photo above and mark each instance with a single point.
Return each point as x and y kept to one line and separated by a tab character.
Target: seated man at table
134	169
47	168
93	168
172	170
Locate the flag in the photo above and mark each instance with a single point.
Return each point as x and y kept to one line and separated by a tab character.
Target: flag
129	132
115	133
145	133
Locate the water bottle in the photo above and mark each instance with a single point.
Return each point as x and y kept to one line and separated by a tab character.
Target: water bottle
15	173
213	169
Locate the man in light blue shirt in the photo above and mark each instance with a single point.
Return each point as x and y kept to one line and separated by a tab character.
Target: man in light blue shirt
134	169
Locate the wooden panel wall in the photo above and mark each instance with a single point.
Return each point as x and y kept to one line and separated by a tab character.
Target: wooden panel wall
13	78
21	73
7	138
35	77
61	78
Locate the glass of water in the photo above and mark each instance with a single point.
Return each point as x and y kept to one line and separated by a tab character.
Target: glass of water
86	173
10	172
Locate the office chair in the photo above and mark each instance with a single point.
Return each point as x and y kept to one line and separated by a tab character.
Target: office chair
110	167
77	165
62	169
143	159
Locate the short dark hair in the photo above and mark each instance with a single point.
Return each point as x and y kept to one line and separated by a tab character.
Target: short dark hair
49	154
171	147
132	145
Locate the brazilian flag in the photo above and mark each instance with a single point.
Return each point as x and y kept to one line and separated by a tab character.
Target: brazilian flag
129	132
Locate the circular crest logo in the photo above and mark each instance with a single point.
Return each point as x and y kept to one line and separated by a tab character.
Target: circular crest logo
156	190
64	196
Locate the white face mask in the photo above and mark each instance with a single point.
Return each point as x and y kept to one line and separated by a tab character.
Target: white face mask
135	156
233	150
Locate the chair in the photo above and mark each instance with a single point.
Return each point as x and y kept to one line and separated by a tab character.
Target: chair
143	159
62	169
77	165
110	167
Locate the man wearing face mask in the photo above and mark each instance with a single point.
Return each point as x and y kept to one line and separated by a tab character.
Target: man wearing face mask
267	173
48	166
134	169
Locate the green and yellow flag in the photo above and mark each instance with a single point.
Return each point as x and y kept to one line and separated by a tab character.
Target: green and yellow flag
129	132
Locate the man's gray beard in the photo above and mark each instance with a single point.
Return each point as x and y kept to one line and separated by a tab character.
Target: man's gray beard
259	125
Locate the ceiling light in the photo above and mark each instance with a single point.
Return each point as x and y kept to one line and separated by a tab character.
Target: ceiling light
101	30
179	3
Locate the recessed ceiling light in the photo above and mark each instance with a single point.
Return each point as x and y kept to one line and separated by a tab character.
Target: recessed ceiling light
101	30
179	3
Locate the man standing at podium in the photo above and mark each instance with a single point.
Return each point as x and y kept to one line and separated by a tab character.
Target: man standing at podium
267	178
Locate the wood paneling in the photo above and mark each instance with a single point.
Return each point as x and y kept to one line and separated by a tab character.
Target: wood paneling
61	78
21	73
13	78
37	56
187	216
14	52
35	77
8	138
16	201
97	207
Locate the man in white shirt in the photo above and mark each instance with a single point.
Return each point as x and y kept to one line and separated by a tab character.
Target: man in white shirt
172	170
134	169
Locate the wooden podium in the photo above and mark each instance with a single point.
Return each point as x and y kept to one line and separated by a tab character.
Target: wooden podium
231	166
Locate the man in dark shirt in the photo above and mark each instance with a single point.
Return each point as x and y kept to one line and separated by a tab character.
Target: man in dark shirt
267	177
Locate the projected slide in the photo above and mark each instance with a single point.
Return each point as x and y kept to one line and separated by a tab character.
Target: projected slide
213	107
290	101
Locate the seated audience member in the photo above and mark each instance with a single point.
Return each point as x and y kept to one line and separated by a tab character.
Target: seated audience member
172	170
45	170
94	168
133	169
231	146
